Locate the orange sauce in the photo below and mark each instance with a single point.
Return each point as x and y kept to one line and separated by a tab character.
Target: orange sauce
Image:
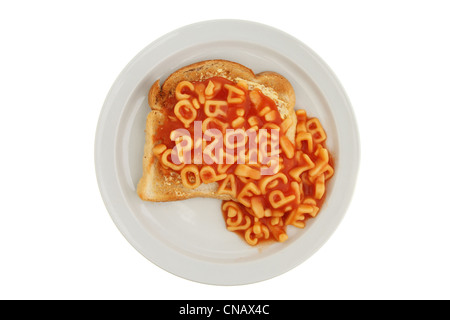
247	109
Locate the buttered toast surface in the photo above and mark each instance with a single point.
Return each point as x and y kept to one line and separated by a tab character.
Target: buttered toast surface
159	183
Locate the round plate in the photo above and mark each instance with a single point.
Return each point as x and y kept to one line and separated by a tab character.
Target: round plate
189	238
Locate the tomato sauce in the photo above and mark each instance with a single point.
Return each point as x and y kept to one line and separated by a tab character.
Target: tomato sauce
249	107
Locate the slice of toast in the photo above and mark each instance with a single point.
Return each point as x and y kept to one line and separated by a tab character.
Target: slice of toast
158	184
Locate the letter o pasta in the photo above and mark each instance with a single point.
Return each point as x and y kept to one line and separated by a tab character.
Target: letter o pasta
190	176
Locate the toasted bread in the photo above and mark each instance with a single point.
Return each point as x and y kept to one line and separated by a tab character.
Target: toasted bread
158	184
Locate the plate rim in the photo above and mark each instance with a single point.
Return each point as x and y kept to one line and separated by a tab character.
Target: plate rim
198	277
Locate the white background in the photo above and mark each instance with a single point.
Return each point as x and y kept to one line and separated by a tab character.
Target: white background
58	61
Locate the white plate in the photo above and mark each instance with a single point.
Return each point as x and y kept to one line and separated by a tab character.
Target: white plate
189	238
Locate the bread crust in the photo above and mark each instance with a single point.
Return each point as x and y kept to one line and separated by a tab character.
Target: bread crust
159	184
